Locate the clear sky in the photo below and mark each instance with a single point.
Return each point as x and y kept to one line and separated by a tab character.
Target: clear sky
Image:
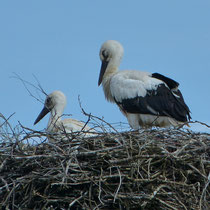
59	43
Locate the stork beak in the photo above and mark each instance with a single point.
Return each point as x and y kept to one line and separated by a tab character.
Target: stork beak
44	111
103	69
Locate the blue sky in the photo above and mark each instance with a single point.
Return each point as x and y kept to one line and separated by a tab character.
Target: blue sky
59	43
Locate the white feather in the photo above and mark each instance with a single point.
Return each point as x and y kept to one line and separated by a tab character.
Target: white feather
130	84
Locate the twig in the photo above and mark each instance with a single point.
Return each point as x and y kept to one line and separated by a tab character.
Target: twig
100	190
25	83
196	121
115	196
92	116
77	199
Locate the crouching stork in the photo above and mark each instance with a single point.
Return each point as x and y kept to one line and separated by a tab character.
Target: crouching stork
55	103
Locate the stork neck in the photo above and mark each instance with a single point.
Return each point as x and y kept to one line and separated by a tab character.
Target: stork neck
110	72
112	67
54	121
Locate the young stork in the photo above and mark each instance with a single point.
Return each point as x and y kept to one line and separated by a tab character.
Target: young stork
145	99
55	104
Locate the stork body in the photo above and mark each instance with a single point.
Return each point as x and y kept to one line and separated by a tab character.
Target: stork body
55	104
145	99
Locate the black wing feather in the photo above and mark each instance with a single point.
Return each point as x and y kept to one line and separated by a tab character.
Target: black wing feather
161	102
172	84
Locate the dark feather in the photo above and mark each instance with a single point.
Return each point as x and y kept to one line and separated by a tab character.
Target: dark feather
160	102
170	82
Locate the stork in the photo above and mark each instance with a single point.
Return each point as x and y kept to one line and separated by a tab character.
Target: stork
145	99
55	104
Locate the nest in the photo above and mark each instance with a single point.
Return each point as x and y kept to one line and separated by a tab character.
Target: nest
149	169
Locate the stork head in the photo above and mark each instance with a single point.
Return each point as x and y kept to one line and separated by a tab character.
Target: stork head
54	103
111	53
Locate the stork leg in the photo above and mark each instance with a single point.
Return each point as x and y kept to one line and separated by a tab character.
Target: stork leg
133	120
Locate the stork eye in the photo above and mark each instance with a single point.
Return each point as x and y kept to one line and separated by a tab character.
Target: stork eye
105	55
48	100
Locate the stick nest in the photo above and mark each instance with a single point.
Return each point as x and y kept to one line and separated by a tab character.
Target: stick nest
149	169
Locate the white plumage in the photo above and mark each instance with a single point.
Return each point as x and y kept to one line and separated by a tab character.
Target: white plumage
145	99
55	104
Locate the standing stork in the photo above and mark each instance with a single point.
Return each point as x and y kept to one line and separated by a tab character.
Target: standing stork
55	104
145	99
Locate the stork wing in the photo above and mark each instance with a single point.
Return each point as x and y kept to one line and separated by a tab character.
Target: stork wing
151	96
